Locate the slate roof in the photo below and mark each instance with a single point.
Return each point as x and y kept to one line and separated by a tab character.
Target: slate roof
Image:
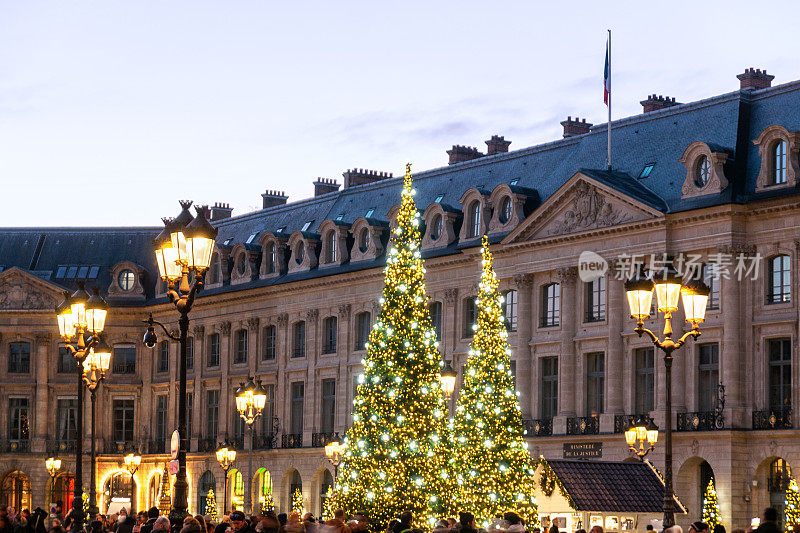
612	487
729	122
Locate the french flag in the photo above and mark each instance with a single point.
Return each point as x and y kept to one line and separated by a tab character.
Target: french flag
607	79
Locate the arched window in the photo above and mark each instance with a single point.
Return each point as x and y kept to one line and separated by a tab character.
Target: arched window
206	485
64	490
779	280
436	227
300	252
271	258
363	240
118	489
241	263
264	485
15	491
152	490
506	210
214	271
331	244
237	490
779	162
474	219
702	172
297	484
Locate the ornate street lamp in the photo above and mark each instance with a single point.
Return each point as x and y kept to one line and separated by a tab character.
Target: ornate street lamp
643	432
132	462
95	366
226	455
447	377
52	465
81	319
333	450
184	247
250	400
668	288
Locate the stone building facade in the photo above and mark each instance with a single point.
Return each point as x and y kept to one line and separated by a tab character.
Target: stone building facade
293	291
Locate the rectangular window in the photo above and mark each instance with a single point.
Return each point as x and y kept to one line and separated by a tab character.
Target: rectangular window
711	278
240	353
708	372
779	280
66	420
268	414
269	343
123	420
363	324
470	316
66	361
190	353
213	350
18	419
163	357
596	300
780	373
549	387
330	326
19	358
551	304
124	360
298	392
510	310
644	359
595	383
299	339
212	413
161	418
435	310
328	405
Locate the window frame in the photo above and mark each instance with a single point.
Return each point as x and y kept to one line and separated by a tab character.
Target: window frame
330	327
549	384
551	305
595	383
511	306
474	219
213	345
783	367
270	333
644	380
781	293
299	339
435	311
240	347
707	375
363	328
123	427
596	293
327	421
780	161
470	306
19	361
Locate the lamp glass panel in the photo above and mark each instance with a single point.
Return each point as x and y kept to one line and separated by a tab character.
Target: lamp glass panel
103	360
199	251
448	383
231	455
66	327
652	436
640	302
79	314
630	436
241	403
695	306
179	244
222	454
96	320
641	432
260	400
667	294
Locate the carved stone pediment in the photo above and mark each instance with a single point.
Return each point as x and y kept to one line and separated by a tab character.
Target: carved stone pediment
22	291
581	204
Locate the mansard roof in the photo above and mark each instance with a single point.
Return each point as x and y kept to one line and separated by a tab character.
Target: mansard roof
729	123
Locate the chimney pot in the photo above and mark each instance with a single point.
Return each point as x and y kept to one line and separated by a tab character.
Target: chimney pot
272	198
359	176
325	186
575	127
654	103
220	211
752	79
460	153
496	145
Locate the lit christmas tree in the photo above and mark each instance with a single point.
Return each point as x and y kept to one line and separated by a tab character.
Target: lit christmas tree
267	504
393	460
327	505
792	509
297	502
710	506
165	502
494	468
211	504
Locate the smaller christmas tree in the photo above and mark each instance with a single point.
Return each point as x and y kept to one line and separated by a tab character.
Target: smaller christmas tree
327	505
297	501
267	504
211	504
710	506
164	501
792	509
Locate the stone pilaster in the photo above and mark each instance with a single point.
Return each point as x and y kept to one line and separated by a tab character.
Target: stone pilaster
524	284
311	402
615	312
39	408
252	343
344	343
567	365
282	357
225	406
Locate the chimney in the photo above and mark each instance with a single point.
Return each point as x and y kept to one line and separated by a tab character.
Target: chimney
575	127
359	176
325	185
273	198
220	211
206	210
459	154
497	145
755	78
654	103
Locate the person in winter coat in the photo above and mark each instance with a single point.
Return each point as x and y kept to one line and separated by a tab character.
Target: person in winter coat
294	525
125	523
335	524
152	514
515	524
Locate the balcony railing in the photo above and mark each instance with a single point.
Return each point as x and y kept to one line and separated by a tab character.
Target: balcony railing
780	418
119	446
265	442
622	422
157	446
207	445
60	446
292	440
700	421
17	446
319	440
539	427
583	425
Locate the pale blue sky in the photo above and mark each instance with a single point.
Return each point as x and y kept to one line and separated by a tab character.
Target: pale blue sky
112	110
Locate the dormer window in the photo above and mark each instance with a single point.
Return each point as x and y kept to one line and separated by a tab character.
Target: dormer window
271	259
436	227
474	219
702	172
127	280
241	263
506	210
300	252
779	162
331	244
363	240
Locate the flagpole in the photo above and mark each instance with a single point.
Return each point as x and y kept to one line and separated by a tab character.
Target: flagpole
608	157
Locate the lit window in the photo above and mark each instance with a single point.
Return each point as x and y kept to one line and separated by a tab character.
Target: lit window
61	272
127	279
93	272
72	271
82	272
340	216
514	181
779	162
648	168
702	172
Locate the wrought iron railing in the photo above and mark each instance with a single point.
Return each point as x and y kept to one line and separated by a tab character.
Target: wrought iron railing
119	446
583	425
623	422
17	446
59	446
700	421
292	440
265	442
780	418
319	440
157	446
538	427
207	445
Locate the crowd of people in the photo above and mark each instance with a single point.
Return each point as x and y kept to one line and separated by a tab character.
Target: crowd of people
152	521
